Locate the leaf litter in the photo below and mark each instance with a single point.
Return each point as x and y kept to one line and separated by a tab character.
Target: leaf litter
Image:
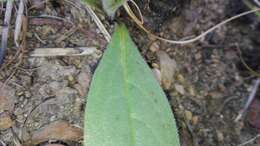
208	71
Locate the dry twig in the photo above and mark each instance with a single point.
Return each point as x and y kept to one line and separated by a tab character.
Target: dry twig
55	18
182	41
66	35
22	46
38	38
250	140
98	23
257	2
251	71
20	55
95	18
2	143
31	112
18	22
5	31
48	52
249	100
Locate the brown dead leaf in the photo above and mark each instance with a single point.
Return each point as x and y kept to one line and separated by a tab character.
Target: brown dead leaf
6	104
37	4
84	82
59	130
7	95
254	115
168	68
5	121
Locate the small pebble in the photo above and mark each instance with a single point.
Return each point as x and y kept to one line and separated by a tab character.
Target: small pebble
5	121
20	118
155	65
220	136
191	91
20	93
180	78
155	46
188	115
174	94
157	74
195	120
179	89
27	94
71	80
198	56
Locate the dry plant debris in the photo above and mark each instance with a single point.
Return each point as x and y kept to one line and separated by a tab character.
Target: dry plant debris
59	130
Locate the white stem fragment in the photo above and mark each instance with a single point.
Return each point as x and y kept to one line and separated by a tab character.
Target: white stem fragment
50	52
257	2
5	31
98	23
2	143
249	101
18	22
250	140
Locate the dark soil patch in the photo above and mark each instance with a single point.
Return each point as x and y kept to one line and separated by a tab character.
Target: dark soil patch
212	67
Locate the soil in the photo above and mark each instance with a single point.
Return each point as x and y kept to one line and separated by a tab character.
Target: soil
215	84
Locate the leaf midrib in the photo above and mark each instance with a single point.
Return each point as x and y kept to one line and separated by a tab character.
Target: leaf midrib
124	62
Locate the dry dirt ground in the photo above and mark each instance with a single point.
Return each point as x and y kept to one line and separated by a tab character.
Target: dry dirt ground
209	87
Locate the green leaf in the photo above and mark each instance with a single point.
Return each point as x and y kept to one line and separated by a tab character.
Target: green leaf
125	105
92	2
257	14
252	6
110	6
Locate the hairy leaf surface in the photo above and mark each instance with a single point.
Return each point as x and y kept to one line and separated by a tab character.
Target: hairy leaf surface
125	105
